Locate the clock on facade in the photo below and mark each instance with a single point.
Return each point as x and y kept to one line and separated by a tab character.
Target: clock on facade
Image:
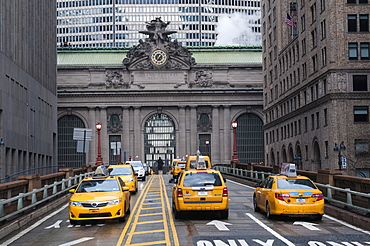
159	57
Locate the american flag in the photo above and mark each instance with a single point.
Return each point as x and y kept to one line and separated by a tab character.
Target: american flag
289	21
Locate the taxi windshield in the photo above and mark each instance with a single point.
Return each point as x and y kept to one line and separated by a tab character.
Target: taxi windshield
180	164
98	186
202	179
295	184
120	171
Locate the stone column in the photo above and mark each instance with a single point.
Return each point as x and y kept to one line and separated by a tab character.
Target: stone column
181	148
125	129
215	142
105	148
137	134
194	144
91	156
227	134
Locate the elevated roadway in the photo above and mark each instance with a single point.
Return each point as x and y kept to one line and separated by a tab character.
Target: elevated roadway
151	223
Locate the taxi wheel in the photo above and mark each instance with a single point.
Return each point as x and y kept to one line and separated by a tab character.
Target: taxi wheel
224	214
256	208
176	213
128	211
268	214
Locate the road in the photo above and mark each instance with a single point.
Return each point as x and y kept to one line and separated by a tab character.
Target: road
151	223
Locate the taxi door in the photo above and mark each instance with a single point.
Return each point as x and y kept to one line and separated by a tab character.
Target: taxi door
264	191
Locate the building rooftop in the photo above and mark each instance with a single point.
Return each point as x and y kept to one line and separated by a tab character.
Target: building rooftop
203	56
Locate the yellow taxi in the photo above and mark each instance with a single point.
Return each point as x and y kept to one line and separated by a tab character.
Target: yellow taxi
191	161
180	165
288	194
173	164
200	189
99	196
127	174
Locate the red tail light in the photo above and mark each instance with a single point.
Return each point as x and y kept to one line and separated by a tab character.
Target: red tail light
179	192
225	192
318	196
281	196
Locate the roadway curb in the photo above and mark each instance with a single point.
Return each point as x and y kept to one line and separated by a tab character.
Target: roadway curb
24	220
347	216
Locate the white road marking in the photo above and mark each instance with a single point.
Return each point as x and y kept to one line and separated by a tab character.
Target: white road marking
55	225
220	225
308	225
11	240
74	242
286	241
346	224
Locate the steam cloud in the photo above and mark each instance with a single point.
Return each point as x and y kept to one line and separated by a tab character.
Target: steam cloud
236	30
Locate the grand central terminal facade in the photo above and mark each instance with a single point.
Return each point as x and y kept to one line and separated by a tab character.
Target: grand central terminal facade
160	99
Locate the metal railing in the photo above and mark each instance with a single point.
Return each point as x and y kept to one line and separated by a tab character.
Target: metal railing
257	176
64	185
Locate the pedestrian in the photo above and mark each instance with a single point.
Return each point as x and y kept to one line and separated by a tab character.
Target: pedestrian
160	166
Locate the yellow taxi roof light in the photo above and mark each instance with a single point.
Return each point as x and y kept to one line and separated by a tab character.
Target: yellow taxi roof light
288	169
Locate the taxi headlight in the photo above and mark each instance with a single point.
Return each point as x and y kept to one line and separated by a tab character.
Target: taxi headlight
114	202
75	204
130	180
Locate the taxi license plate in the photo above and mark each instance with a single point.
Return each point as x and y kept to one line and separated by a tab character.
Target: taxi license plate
202	193
300	200
94	210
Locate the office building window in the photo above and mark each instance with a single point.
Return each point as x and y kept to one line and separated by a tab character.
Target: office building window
352	23
364	51
362	1
359	82
323	29
364	23
361	113
323	56
362	147
351	1
352	51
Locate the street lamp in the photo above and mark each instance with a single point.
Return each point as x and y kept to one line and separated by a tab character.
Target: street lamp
235	158
339	149
99	159
207	143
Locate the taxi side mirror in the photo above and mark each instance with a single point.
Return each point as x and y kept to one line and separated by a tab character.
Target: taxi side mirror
258	185
125	188
72	191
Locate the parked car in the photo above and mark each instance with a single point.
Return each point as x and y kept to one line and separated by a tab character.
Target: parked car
139	169
99	197
200	190
127	174
289	194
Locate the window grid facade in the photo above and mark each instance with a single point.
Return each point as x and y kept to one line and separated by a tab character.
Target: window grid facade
115	23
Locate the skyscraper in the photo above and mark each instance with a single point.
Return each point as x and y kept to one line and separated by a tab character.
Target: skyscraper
28	100
317	84
115	23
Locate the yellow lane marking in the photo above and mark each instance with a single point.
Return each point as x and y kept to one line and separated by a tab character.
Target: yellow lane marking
153	231
174	232
128	223
150	214
149	222
148	243
149	193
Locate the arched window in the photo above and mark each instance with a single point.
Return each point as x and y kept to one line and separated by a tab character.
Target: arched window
249	135
159	139
67	147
